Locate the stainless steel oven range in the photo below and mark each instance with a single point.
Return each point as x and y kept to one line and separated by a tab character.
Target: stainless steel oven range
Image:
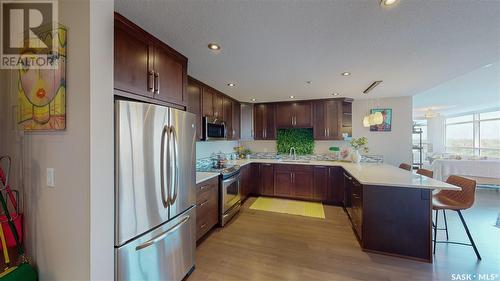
230	201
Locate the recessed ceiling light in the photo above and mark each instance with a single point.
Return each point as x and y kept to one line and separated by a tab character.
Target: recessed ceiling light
336	94
309	82
488	65
213	46
253	99
292	97
387	3
231	84
346	73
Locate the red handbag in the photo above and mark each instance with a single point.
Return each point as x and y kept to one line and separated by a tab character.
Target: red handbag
15	216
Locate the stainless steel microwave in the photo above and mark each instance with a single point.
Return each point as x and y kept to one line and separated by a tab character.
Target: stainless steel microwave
214	129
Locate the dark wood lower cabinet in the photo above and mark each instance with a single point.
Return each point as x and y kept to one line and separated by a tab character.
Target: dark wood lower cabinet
207	206
293	181
303	184
387	220
335	191
321	183
246	182
283	183
266	175
390	220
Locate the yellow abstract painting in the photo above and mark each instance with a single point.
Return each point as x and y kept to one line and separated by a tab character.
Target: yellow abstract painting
42	92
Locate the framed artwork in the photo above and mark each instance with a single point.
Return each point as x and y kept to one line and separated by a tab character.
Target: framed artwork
386	124
42	92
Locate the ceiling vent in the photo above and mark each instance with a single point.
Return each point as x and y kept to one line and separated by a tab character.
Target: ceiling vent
373	85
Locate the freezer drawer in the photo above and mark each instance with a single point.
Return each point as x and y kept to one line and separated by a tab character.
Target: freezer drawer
166	253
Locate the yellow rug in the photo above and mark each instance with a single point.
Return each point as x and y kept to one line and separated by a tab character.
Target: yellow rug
292	207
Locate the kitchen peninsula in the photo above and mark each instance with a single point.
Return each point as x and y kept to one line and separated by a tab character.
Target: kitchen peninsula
389	208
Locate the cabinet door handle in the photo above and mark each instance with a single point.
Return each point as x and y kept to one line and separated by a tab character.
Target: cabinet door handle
347	176
325	132
203	203
151	81
328	131
203	226
204	187
157	83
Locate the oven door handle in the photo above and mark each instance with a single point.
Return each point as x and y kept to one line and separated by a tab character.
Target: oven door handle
230	180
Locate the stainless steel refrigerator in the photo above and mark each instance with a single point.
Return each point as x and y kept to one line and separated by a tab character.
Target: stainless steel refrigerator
155	192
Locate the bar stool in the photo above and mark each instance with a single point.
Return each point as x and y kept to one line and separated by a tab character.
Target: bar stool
456	201
425	172
405	166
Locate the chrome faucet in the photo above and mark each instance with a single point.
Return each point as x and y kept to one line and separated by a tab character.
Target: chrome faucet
294	155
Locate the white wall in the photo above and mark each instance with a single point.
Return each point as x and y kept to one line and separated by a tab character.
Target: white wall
57	220
101	140
205	148
395	146
64	238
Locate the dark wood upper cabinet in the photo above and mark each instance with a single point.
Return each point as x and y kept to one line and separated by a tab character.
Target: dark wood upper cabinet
264	121
133	59
171	74
194	101
227	116
218	105
320	119
207	104
327	119
144	66
346	119
267	179
294	115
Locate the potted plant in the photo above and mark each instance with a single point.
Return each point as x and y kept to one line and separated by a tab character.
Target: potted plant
357	145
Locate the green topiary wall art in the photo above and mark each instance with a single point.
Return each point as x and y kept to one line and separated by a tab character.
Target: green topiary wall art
301	139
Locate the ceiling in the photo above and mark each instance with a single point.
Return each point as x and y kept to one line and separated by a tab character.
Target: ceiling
476	91
271	48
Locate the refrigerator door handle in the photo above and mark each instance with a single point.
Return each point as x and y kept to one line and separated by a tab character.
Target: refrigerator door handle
175	166
165	166
162	236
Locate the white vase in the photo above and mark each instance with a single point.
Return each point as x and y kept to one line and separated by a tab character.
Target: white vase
355	156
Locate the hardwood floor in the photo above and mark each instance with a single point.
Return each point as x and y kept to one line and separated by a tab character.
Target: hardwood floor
259	245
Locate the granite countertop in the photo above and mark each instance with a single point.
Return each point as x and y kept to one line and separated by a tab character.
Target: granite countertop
368	173
204	176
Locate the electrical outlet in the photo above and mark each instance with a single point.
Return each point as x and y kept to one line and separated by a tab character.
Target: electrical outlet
51	182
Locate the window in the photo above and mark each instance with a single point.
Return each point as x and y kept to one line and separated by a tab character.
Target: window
474	134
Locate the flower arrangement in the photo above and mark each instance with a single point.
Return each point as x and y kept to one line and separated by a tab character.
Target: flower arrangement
360	144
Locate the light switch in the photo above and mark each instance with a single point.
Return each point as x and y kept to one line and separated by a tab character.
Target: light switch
51	182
